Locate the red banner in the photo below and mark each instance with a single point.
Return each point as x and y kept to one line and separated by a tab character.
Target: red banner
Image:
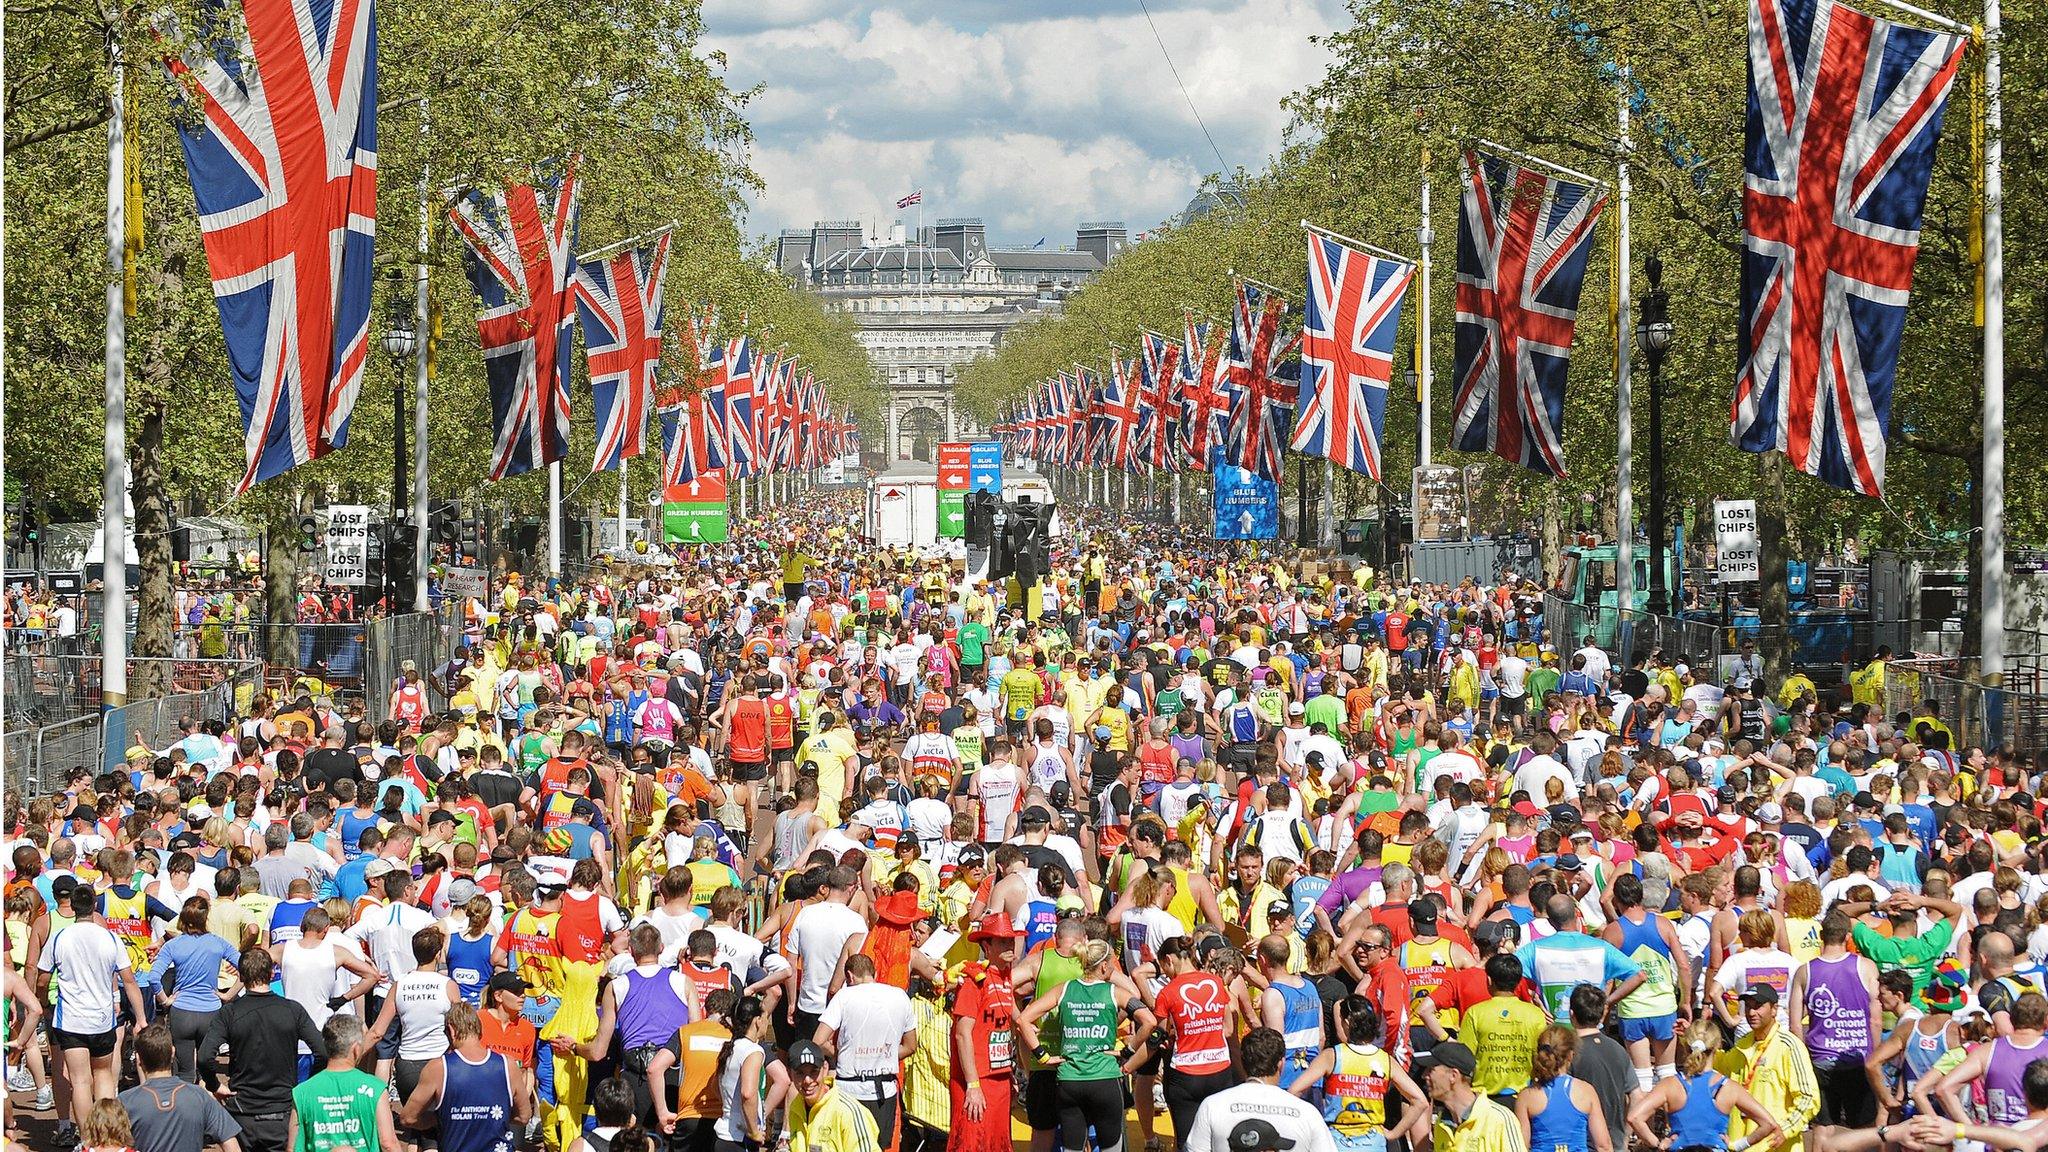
954	466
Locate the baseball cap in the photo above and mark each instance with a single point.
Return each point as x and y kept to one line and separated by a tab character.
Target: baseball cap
441	816
1770	813
377	869
582	807
806	1056
1295	709
461	892
184	840
1759	994
1727	794
972	856
508	982
1278	909
408	666
1035	817
1569	862
136	752
1528	808
1450	1054
1496	933
1257	1136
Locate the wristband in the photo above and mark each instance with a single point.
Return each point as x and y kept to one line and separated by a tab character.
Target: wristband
1960	1137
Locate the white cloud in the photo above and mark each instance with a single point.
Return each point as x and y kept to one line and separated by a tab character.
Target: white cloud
1032	116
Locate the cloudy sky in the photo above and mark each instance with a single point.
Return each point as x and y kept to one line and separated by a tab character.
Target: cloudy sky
1031	114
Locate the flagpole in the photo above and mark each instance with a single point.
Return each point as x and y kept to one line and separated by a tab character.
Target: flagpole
1361	245
1424	237
1325	523
1540	162
555	519
1624	398
1991	614
624	544
422	541
113	516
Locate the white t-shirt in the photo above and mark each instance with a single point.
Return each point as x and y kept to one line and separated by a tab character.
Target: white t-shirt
1296	1120
1458	765
675	930
817	937
1535	776
1512	673
870	1020
737	951
85	962
1145	929
387	933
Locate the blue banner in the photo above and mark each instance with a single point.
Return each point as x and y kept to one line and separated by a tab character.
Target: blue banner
1247	504
985	467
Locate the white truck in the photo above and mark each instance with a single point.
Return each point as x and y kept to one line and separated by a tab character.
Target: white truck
903	512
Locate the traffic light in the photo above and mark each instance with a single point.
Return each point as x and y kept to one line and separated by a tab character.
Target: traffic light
399	569
1027	543
981	519
309	535
447	529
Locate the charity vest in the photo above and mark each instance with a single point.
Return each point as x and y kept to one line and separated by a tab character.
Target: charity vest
1355	1091
781	723
128	920
749	732
1427	966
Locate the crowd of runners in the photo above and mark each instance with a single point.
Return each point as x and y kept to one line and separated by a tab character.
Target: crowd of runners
805	844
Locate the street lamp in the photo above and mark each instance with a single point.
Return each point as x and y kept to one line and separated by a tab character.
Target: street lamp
399	342
1654	333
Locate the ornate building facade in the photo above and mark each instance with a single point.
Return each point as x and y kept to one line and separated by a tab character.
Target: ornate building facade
929	304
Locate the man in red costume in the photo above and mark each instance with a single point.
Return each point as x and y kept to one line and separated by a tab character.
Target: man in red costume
982	1010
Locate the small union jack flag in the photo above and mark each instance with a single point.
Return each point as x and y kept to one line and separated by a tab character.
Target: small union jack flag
1263	383
282	155
1523	239
1159	431
1844	112
916	197
520	242
619	301
741	363
1204	397
1347	352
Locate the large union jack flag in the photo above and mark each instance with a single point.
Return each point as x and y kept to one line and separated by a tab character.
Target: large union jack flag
741	372
1263	382
1347	352
1523	239
520	244
1844	111
619	301
282	155
1120	407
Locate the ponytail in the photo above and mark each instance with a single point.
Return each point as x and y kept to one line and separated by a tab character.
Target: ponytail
738	1021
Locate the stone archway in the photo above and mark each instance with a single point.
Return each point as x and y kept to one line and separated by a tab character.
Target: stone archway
919	432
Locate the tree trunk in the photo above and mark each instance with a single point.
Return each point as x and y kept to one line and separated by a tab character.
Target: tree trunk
1554	512
281	581
1774	605
155	619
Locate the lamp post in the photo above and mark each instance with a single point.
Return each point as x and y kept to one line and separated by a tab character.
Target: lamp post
399	342
1654	333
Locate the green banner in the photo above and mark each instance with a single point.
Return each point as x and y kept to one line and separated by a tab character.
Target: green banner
952	514
693	523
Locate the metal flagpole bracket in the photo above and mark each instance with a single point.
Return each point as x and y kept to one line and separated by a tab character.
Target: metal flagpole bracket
1359	244
1284	294
1540	162
650	234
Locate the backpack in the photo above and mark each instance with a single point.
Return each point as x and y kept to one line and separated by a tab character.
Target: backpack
1898	867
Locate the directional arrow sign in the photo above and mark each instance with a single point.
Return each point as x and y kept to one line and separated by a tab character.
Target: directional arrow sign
985	465
952	514
952	480
953	462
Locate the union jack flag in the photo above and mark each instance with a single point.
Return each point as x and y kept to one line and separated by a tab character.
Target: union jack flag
741	363
1844	111
1347	352
283	162
1523	239
1158	431
1123	402
718	371
619	301
1204	396
684	457
519	245
1263	386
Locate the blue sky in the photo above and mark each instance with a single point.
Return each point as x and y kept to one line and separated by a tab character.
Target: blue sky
1031	114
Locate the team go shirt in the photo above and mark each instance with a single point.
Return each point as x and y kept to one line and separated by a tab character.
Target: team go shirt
1562	962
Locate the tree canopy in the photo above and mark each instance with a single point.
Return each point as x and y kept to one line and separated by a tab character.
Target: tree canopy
470	95
1413	81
